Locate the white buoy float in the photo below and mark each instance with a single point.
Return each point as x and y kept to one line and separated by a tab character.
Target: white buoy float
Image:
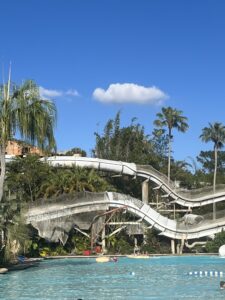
222	251
3	270
102	259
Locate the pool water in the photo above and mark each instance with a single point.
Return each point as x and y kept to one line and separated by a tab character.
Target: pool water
153	278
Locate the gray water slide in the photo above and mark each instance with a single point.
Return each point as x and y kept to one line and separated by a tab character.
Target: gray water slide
62	214
187	198
170	228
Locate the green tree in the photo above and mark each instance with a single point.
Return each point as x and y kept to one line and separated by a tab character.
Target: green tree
129	144
76	150
25	177
23	111
160	141
207	160
65	181
214	245
215	133
171	118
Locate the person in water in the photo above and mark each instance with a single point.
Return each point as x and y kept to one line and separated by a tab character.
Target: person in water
222	285
114	259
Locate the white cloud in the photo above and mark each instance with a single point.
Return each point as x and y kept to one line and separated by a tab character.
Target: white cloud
47	93
129	93
72	92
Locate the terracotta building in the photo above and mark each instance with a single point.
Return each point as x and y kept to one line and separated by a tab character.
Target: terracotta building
20	148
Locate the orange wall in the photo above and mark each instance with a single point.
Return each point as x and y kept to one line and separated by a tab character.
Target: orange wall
14	148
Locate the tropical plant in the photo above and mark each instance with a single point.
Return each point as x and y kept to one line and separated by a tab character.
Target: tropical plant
129	144
76	150
214	245
160	142
171	118
24	112
207	160
155	243
25	176
214	133
63	181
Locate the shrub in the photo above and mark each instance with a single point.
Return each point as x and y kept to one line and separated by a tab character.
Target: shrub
214	245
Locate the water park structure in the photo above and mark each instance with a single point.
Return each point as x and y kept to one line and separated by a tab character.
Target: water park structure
190	227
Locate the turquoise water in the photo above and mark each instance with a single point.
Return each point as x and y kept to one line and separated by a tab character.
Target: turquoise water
153	278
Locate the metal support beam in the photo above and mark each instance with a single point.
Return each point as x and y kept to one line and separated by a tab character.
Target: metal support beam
145	191
84	233
173	246
123	223
103	240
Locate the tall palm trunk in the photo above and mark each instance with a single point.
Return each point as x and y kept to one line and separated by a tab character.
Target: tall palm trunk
2	175
169	156
2	179
214	181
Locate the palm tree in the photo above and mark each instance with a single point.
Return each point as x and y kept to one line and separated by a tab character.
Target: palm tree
171	118
22	111
214	133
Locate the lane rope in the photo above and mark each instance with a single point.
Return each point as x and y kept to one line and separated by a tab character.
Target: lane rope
207	273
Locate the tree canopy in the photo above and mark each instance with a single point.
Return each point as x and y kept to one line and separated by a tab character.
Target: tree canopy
24	112
171	118
129	144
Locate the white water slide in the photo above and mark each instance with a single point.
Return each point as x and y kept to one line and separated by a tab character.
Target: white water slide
170	228
188	198
44	216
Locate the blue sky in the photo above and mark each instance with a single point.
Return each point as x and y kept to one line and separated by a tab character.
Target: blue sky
96	57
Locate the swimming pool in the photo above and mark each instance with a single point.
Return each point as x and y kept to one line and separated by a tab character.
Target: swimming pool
129	279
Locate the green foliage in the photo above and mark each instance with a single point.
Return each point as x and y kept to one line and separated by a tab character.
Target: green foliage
128	144
171	118
63	180
215	133
155	244
119	243
22	110
59	250
29	179
78	243
160	142
26	175
214	245
52	250
17	237
207	160
76	150
123	246
180	172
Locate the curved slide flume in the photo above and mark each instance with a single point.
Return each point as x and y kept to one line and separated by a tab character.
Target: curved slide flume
167	227
186	198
